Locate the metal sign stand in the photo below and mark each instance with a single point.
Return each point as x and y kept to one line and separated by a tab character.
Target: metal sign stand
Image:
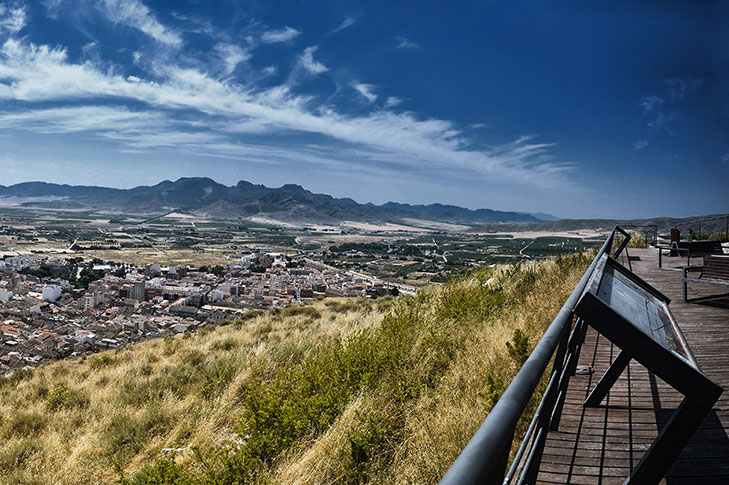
635	317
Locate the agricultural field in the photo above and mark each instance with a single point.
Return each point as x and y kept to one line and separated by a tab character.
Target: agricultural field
413	256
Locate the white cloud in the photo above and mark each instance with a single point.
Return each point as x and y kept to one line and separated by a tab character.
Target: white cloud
52	7
348	22
640	145
662	110
231	55
224	112
405	43
651	104
306	60
283	35
135	14
12	18
81	119
679	88
366	91
392	101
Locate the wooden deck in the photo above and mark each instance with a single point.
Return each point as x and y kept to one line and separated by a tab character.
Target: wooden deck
601	445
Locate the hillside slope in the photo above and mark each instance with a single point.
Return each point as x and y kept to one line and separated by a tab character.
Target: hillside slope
336	391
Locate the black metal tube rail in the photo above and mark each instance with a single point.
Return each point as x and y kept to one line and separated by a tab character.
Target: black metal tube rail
646	229
707	219
485	457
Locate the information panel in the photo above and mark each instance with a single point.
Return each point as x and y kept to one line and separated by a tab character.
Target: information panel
642	308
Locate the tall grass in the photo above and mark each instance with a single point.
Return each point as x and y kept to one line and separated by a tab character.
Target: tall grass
339	391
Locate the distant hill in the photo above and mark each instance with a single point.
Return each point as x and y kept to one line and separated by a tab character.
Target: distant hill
204	196
710	223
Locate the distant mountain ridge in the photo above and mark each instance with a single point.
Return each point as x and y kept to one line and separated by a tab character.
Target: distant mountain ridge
206	197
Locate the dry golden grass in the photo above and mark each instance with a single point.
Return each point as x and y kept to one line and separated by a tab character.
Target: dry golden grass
442	420
72	444
93	419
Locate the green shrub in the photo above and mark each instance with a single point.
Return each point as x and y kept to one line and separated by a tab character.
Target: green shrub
496	386
25	424
163	472
100	361
64	397
225	345
15	457
217	375
373	436
127	435
518	348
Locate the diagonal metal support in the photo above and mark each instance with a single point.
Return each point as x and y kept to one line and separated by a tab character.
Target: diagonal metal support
607	380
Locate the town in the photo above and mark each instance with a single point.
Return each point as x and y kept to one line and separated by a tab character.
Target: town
53	308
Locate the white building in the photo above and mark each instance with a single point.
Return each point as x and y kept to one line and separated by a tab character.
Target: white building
51	293
93	299
137	291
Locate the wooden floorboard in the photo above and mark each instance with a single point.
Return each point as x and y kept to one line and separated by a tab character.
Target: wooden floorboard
601	445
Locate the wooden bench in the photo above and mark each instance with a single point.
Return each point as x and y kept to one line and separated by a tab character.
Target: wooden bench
715	271
690	249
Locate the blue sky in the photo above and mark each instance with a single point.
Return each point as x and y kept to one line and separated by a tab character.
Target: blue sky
580	109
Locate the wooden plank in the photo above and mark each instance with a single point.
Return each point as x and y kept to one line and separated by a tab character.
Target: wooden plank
601	445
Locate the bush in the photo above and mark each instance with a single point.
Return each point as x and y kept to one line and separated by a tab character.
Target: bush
518	348
373	436
127	435
100	361
163	472
25	424
226	344
16	456
64	397
637	240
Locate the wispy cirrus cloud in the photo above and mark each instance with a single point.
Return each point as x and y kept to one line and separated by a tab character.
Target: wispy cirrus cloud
135	14
405	43
346	23
283	35
661	109
366	91
13	17
230	56
679	88
306	60
392	101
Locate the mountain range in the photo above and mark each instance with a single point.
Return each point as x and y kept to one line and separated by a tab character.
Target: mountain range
206	197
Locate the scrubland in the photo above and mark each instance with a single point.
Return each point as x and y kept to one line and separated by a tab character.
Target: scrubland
334	391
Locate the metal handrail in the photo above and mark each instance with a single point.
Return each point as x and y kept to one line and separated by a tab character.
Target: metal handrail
707	219
485	457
